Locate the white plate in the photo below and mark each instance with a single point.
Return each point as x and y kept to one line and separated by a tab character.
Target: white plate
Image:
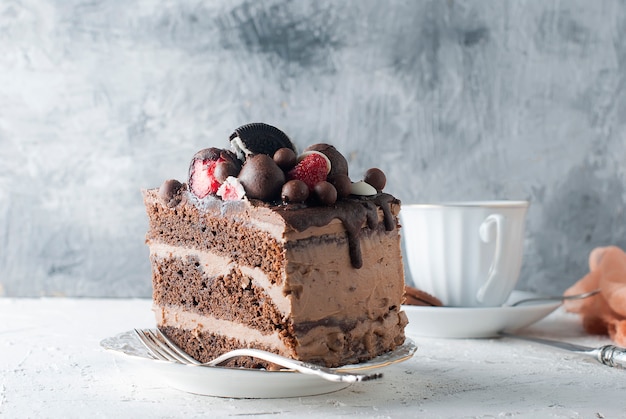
482	322
239	382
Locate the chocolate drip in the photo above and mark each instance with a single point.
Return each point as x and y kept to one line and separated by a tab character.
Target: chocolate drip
352	212
383	201
354	245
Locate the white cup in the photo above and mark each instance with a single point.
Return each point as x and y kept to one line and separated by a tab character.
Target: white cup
467	254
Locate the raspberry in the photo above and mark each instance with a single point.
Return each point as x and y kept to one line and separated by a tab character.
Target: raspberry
202	180
312	169
209	168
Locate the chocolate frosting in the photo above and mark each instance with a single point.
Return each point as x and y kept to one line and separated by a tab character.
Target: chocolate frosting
352	211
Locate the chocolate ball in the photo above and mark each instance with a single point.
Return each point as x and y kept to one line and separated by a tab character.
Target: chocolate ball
376	178
169	192
208	154
285	158
326	192
338	163
261	177
295	191
342	183
224	169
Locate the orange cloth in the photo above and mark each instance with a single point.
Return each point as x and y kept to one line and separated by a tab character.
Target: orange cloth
604	313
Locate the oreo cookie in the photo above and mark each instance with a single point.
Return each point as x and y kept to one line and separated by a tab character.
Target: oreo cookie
258	138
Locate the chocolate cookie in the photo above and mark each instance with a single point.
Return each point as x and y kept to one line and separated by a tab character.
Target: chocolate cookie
258	138
415	297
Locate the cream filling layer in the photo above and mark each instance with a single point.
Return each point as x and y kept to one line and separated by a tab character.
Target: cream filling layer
177	317
215	265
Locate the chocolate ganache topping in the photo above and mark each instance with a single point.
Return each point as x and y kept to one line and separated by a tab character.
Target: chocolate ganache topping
309	189
353	213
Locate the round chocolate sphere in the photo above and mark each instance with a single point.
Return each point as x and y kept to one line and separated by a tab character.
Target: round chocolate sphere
295	191
342	183
224	169
376	178
169	192
338	163
261	177
285	158
326	192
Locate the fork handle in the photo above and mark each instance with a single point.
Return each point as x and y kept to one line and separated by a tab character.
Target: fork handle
612	355
303	367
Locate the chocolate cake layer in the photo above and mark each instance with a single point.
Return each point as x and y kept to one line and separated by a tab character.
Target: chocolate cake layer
233	274
185	226
205	346
180	282
339	348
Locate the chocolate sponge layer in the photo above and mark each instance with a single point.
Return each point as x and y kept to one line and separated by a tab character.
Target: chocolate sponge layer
215	262
185	226
205	346
179	282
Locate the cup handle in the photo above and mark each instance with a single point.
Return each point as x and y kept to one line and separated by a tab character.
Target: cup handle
486	236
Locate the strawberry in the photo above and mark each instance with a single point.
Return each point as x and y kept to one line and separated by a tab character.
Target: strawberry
202	181
311	169
203	178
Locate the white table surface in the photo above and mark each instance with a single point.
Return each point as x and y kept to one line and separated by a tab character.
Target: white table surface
51	365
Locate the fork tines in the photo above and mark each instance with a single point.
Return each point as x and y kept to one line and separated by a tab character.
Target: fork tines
162	348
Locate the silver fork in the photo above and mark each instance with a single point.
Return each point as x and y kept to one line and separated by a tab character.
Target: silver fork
556	298
164	349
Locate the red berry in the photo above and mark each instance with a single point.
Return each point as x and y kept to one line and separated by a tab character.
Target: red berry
339	164
202	180
312	169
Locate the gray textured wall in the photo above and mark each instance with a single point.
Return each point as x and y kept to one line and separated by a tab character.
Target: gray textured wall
453	99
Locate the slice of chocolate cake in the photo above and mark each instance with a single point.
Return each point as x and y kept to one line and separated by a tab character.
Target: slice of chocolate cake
262	249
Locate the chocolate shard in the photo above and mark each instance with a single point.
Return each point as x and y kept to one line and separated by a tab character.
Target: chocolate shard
258	138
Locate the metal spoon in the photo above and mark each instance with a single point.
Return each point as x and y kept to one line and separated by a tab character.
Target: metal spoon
610	355
556	298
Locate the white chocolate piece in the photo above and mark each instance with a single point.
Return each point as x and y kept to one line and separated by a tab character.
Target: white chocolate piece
231	190
362	188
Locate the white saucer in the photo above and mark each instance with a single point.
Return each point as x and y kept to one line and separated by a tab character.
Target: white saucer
462	322
239	382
